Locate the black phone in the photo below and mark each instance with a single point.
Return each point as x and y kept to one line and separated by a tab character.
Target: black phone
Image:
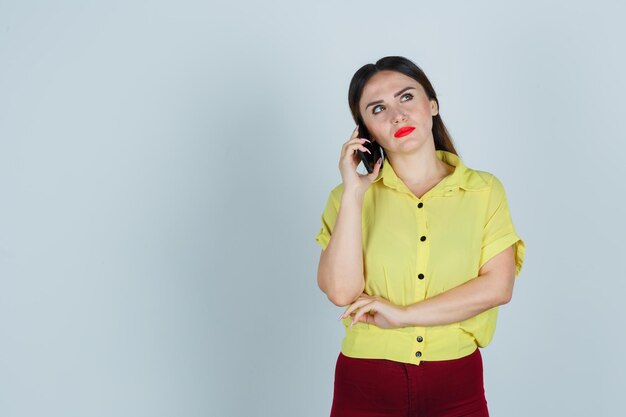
369	159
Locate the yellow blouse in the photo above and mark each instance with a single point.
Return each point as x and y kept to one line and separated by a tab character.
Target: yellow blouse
415	248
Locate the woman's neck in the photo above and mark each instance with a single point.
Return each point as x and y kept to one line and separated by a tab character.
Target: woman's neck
421	167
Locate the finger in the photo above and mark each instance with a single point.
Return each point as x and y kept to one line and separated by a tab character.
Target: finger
353	143
354	135
377	166
358	316
359	140
350	309
365	309
358	303
352	148
355	132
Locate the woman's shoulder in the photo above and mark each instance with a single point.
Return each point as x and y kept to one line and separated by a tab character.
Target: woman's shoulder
484	180
476	179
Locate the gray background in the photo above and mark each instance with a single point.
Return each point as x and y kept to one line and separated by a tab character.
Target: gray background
164	166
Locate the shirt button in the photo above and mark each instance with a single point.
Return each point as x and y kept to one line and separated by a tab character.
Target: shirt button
420	338
423	238
421	276
418	353
420	205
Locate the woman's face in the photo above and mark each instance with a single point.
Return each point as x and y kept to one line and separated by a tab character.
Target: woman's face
391	101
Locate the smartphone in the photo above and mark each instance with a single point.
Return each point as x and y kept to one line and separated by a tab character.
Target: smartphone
369	159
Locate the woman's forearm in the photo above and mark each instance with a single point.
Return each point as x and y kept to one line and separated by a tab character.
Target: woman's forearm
457	304
340	271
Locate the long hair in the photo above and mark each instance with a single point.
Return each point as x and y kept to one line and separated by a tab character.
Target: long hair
441	136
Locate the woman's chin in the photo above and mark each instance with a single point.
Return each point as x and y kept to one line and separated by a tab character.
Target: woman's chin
408	146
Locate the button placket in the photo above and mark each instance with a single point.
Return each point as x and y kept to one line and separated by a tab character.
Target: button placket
423	252
422	246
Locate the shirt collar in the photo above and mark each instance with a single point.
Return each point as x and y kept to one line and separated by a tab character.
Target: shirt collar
462	177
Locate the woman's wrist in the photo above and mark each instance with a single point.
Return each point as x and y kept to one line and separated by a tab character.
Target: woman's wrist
352	196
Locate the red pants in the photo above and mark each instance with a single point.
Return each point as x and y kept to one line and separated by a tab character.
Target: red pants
380	387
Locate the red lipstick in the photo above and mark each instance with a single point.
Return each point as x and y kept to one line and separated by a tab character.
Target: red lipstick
403	131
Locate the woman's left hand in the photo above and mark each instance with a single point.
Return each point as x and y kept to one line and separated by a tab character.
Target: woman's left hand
376	310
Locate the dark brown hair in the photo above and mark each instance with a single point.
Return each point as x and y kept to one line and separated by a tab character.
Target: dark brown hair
443	140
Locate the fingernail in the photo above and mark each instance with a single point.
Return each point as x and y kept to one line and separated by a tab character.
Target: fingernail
340	317
351	323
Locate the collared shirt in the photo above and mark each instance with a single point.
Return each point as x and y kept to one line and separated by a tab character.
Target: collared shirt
415	248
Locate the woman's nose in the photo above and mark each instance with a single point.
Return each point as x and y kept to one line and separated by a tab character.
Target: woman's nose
399	116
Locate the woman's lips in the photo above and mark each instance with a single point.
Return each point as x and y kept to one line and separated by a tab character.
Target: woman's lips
403	131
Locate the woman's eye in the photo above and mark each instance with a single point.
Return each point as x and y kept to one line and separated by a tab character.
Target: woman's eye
374	109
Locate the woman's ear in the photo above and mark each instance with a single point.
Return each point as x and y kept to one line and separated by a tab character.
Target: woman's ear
434	108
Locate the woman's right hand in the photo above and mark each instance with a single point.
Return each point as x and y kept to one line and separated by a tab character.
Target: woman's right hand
348	162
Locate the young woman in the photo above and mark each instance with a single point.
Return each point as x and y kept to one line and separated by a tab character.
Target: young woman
422	251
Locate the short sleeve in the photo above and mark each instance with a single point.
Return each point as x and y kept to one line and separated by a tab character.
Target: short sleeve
499	232
329	215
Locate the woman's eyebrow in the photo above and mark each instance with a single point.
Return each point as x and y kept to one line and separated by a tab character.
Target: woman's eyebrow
395	95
